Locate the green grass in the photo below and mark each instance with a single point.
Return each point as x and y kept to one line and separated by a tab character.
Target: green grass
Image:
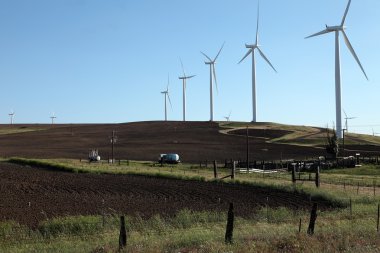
300	135
268	230
271	230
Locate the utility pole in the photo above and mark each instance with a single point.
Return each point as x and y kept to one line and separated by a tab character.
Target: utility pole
113	141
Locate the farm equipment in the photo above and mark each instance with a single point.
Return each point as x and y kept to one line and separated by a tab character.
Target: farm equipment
93	155
169	158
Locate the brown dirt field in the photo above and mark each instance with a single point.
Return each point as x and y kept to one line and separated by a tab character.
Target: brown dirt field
54	194
193	141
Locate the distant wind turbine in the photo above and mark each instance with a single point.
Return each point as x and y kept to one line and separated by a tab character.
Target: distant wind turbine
52	118
184	78
373	133
252	50
347	118
166	93
338	95
228	117
11	115
212	78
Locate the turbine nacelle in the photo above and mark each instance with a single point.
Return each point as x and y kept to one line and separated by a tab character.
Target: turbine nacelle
185	77
254	46
335	28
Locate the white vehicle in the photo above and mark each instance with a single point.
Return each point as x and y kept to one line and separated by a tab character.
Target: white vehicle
169	158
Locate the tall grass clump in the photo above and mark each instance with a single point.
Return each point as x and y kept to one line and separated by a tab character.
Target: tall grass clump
78	225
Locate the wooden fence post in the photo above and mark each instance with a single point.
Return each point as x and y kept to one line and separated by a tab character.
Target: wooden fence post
317	180
378	217
215	170
233	170
230	224
294	174
313	218
123	234
299	226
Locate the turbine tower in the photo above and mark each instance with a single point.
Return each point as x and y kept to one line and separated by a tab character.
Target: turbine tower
212	78
338	93
11	115
184	78
347	118
166	93
252	50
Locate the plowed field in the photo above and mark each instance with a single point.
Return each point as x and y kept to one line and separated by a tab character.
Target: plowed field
30	195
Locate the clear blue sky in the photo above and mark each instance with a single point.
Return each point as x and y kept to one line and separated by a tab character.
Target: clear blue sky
93	61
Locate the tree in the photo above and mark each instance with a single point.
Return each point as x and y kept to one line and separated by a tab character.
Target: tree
332	146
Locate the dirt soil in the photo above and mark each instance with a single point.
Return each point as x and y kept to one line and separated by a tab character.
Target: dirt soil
30	195
193	141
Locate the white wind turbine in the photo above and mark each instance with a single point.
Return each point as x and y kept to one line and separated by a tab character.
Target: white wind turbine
52	118
212	78
228	117
184	78
373	133
347	118
338	95
166	93
252	50
11	115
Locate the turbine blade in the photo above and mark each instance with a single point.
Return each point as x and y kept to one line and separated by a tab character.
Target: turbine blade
220	50
170	102
246	55
183	69
167	87
214	73
345	13
206	56
266	59
318	33
257	27
353	52
188	77
345	113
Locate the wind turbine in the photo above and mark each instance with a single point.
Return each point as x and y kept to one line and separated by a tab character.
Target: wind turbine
166	93
228	117
338	95
11	115
347	118
252	50
212	78
373	133
184	78
52	118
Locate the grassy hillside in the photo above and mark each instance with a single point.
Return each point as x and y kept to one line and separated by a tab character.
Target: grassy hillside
299	135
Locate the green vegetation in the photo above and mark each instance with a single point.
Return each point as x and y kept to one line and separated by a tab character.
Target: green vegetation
268	230
300	135
8	129
271	230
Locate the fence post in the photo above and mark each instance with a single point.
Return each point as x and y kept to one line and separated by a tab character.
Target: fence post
230	224
357	191
313	218
378	217
294	174
233	170
317	180
299	226
123	234
215	170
